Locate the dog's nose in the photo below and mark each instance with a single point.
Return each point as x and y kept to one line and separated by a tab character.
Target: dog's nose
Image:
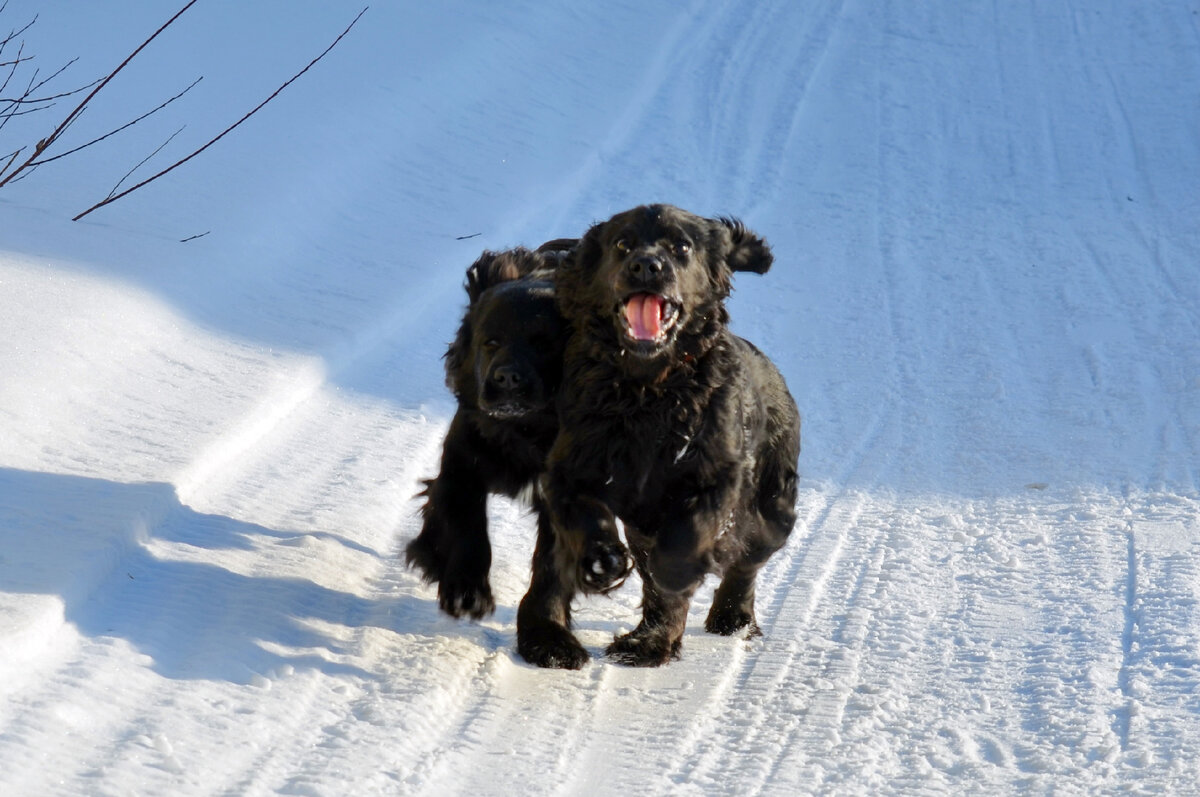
644	268
506	377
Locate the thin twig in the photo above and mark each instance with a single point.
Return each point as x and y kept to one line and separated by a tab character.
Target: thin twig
143	160
227	130
50	139
60	70
119	129
25	99
26	112
15	33
12	158
19	60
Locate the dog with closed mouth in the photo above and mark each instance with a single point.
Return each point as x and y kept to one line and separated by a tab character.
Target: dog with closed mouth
504	368
668	421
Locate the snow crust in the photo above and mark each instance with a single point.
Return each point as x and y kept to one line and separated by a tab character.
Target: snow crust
985	300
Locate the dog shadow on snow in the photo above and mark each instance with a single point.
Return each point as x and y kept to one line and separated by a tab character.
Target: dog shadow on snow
85	540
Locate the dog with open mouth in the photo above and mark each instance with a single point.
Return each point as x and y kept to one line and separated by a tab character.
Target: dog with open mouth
668	421
504	367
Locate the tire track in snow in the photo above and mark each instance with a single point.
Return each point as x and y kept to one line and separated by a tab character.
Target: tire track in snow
1056	674
750	150
363	627
775	712
311	650
483	716
1123	716
1181	323
217	477
555	711
209	469
688	27
1162	657
603	691
737	729
731	79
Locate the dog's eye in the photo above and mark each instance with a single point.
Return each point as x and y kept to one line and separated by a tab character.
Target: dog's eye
491	344
682	248
622	246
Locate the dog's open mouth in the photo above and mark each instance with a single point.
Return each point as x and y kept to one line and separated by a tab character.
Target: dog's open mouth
649	318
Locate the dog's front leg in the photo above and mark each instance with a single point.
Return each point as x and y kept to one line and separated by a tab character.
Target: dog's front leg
588	544
659	636
544	637
453	547
684	550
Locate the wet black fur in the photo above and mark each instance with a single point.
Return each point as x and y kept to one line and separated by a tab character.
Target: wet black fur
691	441
504	368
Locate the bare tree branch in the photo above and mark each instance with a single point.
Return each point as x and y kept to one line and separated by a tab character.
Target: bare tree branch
50	139
227	130
119	129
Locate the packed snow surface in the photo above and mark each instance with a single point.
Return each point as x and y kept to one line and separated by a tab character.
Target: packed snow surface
986	301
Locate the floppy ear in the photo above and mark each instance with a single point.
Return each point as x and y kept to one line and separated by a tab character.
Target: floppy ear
490	269
558	245
571	275
552	254
456	355
747	251
587	250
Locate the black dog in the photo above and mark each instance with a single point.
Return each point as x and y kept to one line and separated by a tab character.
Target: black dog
504	368
684	431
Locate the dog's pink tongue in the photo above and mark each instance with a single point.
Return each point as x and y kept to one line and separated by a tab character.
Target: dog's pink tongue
643	311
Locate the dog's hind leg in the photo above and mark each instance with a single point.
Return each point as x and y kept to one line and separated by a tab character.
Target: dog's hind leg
733	602
544	637
771	516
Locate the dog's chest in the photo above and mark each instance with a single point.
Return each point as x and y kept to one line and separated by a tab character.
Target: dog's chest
654	454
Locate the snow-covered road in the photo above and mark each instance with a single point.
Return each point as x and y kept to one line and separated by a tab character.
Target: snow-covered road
986	302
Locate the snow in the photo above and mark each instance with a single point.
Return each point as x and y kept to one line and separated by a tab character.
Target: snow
985	301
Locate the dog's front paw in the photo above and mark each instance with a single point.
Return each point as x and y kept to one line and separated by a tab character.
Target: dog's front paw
605	566
424	555
641	648
466	597
551	646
